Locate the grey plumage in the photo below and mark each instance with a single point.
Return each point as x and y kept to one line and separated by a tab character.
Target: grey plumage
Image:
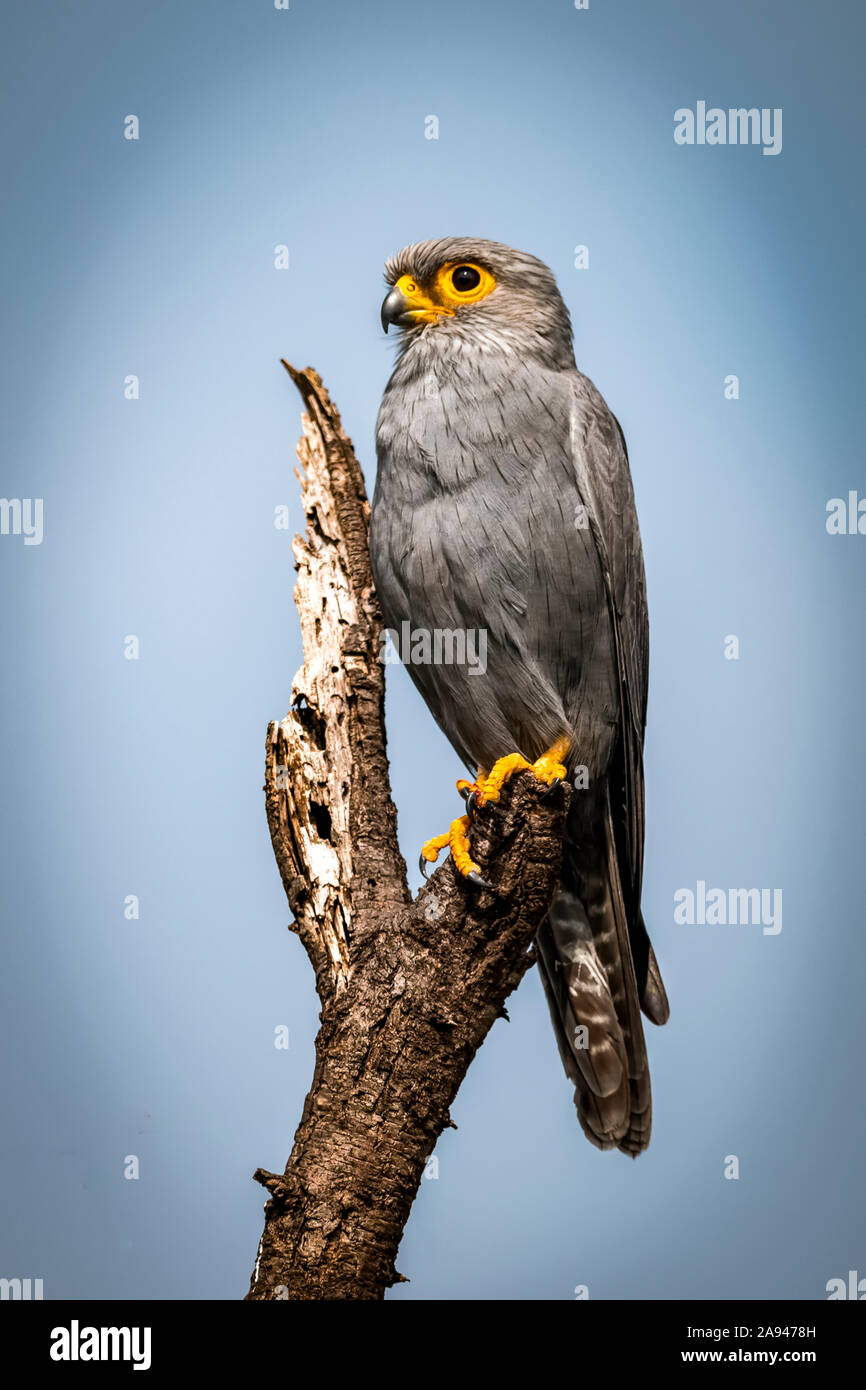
504	502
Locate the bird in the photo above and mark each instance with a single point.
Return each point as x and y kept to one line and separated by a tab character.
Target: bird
504	504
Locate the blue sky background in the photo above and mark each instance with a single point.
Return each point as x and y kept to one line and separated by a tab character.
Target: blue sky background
155	1037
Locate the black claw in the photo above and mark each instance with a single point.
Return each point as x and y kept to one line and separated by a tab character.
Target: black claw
473	877
551	788
472	805
422	865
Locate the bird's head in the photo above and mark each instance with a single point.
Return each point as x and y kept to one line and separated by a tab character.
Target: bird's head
469	292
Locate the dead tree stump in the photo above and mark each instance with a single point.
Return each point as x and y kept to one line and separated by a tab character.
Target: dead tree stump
409	990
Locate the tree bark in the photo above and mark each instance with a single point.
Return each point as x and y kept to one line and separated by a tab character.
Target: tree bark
409	990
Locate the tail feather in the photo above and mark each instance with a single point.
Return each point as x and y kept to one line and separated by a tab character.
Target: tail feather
654	1000
587	967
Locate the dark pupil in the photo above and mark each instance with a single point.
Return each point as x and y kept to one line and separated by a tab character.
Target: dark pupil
465	278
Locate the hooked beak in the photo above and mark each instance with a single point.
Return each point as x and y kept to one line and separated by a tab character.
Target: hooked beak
395	307
407	305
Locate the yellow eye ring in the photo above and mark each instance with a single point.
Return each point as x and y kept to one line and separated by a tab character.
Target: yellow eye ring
462	282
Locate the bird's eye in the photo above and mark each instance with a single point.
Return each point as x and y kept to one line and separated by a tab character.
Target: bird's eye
465	278
459	283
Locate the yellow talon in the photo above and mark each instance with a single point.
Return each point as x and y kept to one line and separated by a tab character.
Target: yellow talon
499	775
550	765
469	789
547	769
488	787
458	838
430	849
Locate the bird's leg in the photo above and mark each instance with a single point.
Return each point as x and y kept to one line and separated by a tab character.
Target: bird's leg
549	769
456	836
458	843
486	791
457	839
